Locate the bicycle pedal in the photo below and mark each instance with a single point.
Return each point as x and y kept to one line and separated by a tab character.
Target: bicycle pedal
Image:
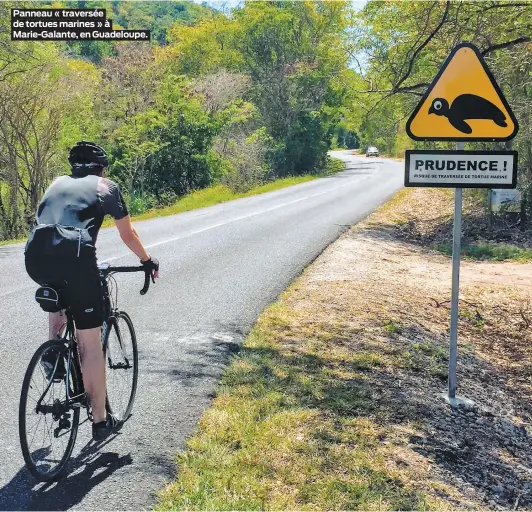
64	423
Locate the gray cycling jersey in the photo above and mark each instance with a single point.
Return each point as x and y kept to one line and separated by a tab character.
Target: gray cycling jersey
81	202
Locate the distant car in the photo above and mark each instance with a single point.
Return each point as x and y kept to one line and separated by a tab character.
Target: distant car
372	151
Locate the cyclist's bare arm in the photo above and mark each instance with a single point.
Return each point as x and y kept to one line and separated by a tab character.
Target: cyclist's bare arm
131	238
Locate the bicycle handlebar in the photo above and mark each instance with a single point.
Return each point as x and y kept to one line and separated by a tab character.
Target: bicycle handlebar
107	269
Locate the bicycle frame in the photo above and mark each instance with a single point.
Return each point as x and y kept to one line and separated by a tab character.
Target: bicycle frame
69	337
57	409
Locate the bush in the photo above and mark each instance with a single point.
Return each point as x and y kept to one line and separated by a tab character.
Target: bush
494	252
167	198
245	162
140	203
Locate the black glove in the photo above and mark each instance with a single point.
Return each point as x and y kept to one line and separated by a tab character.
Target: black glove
151	265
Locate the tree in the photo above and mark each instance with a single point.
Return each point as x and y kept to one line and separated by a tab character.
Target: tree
181	165
36	110
294	53
405	45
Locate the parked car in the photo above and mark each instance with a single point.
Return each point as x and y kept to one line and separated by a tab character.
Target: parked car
372	151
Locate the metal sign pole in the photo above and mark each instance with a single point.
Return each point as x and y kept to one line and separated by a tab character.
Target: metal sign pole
465	80
453	347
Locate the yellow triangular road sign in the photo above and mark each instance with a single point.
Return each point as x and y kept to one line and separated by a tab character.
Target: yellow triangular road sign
463	103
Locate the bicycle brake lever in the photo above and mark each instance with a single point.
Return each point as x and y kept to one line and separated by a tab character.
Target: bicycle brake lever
146	283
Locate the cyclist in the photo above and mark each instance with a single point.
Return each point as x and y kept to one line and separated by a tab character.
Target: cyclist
61	253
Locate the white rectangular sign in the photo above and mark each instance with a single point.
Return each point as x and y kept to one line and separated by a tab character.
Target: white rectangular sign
505	200
455	169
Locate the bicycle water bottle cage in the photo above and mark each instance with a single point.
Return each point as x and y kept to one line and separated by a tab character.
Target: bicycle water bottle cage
48	299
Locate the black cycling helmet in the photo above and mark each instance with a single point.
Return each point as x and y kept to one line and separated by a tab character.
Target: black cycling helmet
87	158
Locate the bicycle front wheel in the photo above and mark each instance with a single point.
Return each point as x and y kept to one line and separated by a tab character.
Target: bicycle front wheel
48	425
121	361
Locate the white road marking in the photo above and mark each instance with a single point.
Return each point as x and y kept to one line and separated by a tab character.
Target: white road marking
220	224
214	226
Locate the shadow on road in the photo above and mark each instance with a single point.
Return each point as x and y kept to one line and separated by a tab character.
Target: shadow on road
205	356
90	468
205	361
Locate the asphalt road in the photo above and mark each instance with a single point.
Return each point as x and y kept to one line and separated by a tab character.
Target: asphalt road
220	267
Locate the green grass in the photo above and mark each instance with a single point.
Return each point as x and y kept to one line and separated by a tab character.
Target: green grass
391	326
13	241
292	428
220	194
425	357
490	252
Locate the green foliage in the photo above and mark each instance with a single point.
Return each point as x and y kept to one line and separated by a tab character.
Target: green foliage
139	203
333	166
182	162
204	48
94	51
404	44
293	52
237	100
391	326
158	17
494	252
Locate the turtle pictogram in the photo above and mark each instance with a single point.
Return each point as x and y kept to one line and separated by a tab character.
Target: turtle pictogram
463	103
467	106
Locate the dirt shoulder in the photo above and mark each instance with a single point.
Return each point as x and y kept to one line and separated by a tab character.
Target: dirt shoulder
333	401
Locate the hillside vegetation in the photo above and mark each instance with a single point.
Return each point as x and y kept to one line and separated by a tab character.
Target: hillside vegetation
239	97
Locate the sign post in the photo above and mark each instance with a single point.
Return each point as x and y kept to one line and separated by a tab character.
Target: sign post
463	103
453	346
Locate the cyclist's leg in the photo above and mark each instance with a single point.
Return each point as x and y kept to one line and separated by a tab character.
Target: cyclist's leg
85	297
56	322
93	370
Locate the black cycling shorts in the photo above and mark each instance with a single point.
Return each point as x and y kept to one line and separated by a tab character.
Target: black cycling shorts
78	283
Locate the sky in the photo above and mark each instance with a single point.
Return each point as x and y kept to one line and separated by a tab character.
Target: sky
229	4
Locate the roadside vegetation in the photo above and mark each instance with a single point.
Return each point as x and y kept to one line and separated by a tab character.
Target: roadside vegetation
495	252
290	429
333	401
239	97
222	193
230	100
218	194
496	237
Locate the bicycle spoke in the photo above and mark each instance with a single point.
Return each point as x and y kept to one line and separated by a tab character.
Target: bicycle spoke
35	432
121	367
47	438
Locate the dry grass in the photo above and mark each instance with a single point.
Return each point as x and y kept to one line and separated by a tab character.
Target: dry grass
291	428
333	401
429	224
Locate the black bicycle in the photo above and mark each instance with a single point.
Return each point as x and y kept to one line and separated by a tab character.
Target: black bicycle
52	393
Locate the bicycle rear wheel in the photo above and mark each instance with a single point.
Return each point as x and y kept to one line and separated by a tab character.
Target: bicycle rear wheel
47	427
121	360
